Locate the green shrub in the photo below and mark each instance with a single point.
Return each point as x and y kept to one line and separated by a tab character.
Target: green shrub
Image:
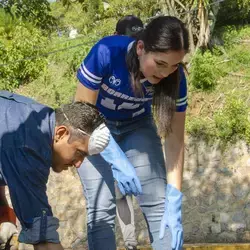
232	35
233	12
32	11
23	42
232	121
73	52
200	127
52	88
203	73
240	54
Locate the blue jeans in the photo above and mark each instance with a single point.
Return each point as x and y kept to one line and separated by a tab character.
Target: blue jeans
140	142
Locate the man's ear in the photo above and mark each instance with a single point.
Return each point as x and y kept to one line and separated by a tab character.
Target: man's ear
140	47
61	132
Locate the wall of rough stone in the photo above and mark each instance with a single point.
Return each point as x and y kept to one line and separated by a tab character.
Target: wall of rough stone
216	203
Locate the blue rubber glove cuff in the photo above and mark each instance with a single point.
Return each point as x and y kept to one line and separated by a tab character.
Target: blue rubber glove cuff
174	196
172	217
123	171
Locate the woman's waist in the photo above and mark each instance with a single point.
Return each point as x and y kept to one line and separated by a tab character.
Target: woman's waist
118	127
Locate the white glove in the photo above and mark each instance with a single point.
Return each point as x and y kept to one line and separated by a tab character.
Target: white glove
99	140
7	230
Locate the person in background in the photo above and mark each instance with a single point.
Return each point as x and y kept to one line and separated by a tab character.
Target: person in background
128	25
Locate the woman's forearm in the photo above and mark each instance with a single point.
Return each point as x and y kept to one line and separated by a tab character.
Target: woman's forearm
174	147
174	162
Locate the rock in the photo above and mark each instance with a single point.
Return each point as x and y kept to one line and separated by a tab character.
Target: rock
237	226
238	217
246	236
215	228
227	237
224	217
248	162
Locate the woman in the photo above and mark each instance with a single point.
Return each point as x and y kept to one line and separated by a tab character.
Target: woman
123	77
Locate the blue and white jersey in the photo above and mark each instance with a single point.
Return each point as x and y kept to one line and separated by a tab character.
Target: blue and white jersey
105	69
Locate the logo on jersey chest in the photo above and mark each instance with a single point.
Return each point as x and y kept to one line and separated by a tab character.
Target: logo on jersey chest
114	81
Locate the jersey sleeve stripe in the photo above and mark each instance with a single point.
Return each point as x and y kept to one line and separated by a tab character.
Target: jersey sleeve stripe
181	99
89	78
89	73
181	104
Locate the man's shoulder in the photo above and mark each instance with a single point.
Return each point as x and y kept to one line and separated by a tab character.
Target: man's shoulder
21	100
21	109
27	123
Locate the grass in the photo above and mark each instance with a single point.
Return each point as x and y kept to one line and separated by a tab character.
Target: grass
53	88
232	84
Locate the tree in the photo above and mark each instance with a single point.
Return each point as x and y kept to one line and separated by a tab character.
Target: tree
35	11
234	12
199	15
93	8
69	2
140	8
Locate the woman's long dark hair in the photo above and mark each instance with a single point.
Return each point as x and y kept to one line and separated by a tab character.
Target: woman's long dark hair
162	34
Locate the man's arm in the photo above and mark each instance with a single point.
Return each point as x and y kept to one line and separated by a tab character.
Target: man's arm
48	246
3	200
174	150
26	173
8	229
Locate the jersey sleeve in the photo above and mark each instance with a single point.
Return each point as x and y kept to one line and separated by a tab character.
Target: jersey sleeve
181	102
94	67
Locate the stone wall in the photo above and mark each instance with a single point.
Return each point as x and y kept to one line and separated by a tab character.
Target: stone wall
216	204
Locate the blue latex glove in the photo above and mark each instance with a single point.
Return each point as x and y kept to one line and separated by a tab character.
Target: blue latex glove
172	217
123	170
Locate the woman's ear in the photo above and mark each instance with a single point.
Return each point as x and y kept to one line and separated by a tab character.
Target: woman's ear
140	47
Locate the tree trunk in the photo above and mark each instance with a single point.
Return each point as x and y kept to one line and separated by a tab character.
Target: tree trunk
190	32
204	32
197	26
166	7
